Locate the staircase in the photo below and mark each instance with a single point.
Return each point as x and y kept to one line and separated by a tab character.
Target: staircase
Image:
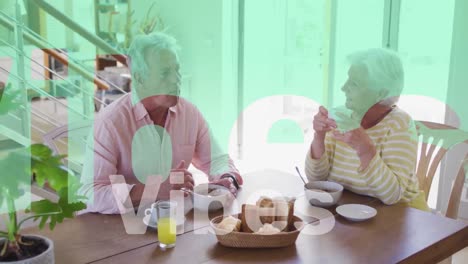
65	96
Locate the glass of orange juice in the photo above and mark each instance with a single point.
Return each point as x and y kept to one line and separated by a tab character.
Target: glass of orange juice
166	213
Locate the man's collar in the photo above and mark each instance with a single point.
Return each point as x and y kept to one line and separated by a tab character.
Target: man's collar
139	110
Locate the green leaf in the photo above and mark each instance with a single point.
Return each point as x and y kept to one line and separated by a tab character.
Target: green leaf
69	202
15	173
43	207
40	151
43	222
53	222
10	99
16	170
45	210
47	167
2	190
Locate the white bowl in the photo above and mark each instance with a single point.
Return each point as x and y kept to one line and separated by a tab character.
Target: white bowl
317	197
204	202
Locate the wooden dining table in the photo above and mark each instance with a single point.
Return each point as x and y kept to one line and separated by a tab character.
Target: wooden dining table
397	234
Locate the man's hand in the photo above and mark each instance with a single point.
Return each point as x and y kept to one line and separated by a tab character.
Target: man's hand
167	186
226	182
188	178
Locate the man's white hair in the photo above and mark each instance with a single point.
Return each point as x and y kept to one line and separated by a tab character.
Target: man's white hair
384	71
143	45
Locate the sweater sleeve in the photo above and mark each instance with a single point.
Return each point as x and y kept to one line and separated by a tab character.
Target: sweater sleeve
319	169
390	174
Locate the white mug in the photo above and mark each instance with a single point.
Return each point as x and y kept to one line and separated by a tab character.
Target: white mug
164	210
154	214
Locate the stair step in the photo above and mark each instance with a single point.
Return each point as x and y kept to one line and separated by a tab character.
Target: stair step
9	144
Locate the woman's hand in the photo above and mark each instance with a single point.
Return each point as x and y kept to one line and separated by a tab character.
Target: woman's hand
323	124
359	141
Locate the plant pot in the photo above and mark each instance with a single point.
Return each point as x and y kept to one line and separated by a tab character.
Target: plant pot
46	257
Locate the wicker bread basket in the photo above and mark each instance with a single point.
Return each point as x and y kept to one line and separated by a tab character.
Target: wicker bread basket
252	240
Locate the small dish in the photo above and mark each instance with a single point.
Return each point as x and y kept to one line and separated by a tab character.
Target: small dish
356	212
146	221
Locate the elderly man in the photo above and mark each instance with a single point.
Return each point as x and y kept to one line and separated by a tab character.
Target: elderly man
378	157
152	131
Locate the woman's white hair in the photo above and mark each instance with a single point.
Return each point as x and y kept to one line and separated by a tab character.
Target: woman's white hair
384	71
143	45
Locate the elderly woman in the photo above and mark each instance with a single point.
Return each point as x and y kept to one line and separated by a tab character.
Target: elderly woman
378	157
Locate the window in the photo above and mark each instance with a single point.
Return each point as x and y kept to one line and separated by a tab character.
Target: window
283	55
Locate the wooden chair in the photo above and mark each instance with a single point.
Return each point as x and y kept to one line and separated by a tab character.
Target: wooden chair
457	189
435	140
58	140
455	196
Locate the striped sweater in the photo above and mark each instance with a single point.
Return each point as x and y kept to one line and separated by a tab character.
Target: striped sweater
390	175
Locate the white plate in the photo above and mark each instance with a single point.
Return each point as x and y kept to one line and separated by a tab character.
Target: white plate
356	212
146	221
155	225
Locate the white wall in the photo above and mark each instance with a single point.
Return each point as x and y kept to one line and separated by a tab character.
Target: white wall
56	31
82	12
197	27
60	36
456	98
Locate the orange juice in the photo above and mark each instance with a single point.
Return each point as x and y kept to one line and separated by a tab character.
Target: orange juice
167	231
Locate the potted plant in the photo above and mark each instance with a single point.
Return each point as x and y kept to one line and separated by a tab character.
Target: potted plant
147	25
16	168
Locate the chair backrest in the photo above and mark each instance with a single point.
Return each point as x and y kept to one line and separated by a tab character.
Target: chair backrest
457	189
435	140
58	139
79	128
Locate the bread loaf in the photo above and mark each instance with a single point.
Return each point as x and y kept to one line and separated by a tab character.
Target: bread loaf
250	218
284	212
277	212
291	202
266	210
268	229
230	224
281	213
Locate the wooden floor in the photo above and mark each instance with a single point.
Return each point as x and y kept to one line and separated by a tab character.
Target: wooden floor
54	112
460	257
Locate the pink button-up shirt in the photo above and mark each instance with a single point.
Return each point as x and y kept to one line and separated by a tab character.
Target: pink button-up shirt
115	139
